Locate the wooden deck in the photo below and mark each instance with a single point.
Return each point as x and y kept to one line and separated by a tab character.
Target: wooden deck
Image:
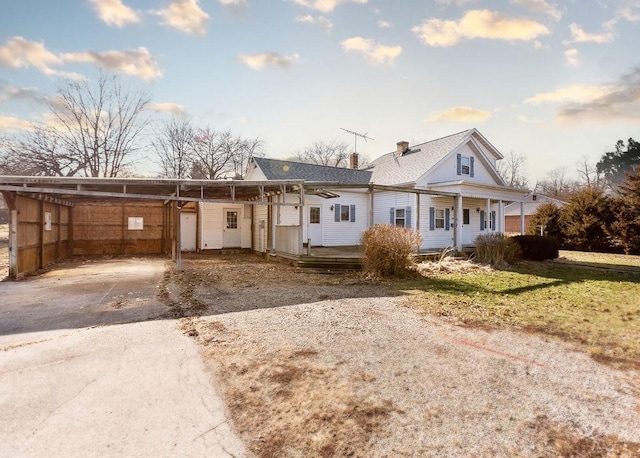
343	257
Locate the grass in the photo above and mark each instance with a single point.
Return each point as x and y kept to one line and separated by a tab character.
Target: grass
598	308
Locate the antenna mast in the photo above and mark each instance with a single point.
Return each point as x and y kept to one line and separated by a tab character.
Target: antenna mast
355	138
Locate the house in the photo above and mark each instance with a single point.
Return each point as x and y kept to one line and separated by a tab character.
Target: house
515	215
448	189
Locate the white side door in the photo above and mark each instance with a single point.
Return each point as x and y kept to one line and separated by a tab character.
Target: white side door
188	231
231	228
314	228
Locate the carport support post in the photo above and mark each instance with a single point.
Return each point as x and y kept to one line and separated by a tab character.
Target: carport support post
178	244
13	244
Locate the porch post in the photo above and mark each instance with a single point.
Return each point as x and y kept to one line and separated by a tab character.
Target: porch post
418	215
487	215
500	220
301	220
522	218
458	220
371	191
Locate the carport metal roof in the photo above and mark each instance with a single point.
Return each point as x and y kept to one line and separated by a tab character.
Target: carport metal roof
72	190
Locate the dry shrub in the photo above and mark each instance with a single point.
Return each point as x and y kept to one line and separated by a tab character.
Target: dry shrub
496	249
388	249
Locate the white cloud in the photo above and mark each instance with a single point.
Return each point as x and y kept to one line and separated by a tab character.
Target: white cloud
167	107
383	24
455	2
9	123
21	53
376	53
571	56
135	62
114	12
573	93
326	6
540	6
478	24
580	36
538	44
320	21
267	59
186	16
237	6
460	114
631	12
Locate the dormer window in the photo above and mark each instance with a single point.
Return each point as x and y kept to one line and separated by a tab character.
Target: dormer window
465	165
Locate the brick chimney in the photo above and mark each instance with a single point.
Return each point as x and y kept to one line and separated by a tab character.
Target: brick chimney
353	160
403	147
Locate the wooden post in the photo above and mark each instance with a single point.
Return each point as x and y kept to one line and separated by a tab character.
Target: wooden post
123	232
69	232
13	244
459	220
41	235
178	242
59	236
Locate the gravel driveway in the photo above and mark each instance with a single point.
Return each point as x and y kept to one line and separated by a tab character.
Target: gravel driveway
352	373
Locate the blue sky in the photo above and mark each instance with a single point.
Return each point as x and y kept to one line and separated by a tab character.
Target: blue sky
553	81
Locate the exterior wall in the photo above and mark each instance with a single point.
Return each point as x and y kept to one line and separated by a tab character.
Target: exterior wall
447	170
212	224
260	228
40	244
103	228
342	233
439	237
512	223
254	174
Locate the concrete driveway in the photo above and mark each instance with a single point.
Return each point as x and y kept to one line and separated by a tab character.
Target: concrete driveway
74	383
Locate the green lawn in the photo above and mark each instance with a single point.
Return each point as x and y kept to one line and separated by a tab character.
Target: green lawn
598	308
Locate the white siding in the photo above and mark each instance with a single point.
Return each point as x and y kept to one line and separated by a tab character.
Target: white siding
384	201
212	221
254	174
439	237
447	170
260	213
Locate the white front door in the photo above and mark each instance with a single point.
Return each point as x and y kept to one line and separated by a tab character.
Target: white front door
466	227
314	228
231	228
188	231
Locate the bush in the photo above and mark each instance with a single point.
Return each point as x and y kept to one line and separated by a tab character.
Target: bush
496	249
536	247
388	249
548	216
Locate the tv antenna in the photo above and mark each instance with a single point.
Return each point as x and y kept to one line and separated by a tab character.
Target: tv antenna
355	138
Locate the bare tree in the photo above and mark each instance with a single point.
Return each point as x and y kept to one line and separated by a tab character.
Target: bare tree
333	153
512	169
92	130
590	176
557	184
174	148
251	147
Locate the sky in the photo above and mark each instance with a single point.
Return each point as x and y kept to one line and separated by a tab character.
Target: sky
553	81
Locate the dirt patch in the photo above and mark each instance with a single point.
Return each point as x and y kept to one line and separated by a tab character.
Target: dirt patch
316	365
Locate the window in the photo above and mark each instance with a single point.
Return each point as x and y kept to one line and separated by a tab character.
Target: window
400	217
465	165
232	219
439	218
465	216
314	215
136	223
344	213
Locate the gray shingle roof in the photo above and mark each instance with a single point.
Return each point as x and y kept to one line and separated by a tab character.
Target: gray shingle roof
392	170
275	169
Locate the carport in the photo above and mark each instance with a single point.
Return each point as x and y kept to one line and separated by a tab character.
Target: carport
53	218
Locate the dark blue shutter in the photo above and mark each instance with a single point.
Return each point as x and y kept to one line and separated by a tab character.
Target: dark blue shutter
471	161
447	216
407	217
432	218
493	220
352	213
337	212
482	220
392	216
459	163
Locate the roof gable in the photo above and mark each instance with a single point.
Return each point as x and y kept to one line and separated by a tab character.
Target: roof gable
276	169
420	160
